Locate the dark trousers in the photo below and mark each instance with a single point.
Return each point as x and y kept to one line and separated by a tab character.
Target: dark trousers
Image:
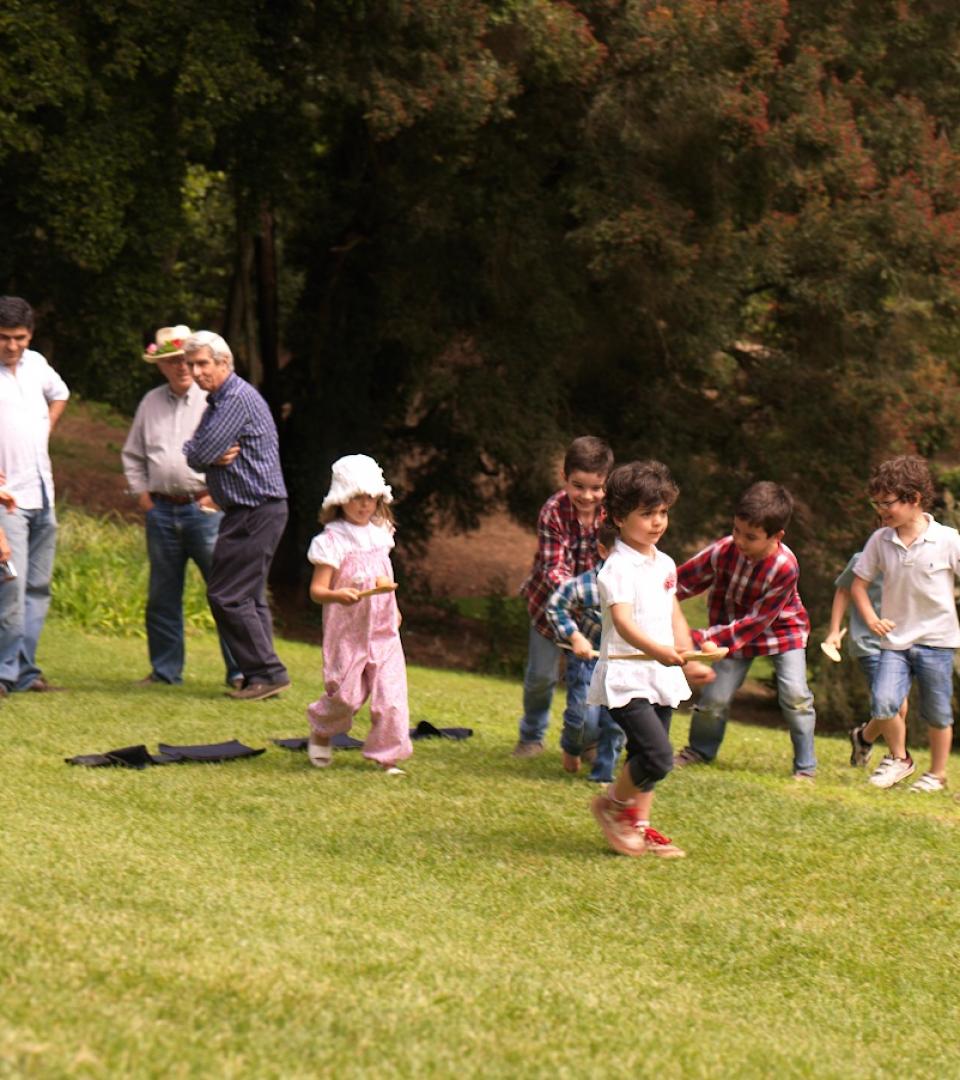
649	752
237	587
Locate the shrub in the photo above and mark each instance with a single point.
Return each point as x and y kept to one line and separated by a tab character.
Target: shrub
101	574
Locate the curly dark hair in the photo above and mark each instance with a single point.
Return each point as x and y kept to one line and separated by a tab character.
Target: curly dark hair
766	504
641	485
906	477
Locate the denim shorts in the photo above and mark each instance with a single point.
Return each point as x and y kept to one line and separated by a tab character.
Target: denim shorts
868	665
932	668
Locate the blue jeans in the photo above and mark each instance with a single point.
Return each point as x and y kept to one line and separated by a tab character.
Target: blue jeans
932	668
609	745
581	722
539	680
175	534
25	600
710	715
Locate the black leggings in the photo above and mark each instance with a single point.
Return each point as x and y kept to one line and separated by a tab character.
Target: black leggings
649	752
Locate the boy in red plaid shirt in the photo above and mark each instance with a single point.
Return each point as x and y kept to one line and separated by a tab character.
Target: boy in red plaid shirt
566	547
755	610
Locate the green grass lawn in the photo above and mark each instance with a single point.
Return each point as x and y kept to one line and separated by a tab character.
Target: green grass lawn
265	919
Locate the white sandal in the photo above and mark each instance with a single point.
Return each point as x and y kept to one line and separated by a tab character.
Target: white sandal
929	782
320	756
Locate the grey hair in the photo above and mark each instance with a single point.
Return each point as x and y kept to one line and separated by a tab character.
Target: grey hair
207	339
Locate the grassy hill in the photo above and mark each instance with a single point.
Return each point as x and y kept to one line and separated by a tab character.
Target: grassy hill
265	919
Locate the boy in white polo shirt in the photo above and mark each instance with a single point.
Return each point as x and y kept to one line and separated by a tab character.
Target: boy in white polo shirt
919	559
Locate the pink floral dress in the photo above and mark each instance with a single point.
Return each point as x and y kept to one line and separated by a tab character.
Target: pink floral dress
362	653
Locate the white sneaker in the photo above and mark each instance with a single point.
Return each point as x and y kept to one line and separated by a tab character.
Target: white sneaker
891	771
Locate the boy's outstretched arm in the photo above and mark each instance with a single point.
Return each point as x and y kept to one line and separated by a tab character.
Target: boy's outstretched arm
876	625
841	601
697	574
738	633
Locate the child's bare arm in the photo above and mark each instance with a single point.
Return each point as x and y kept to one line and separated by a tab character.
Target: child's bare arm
321	593
841	601
622	615
876	625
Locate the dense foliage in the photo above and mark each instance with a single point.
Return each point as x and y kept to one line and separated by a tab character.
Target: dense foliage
453	233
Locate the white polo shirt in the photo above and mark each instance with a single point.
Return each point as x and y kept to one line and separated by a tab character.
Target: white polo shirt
648	583
25	394
917	585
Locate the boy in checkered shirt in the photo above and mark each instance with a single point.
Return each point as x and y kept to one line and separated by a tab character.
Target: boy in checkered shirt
566	547
754	610
573	612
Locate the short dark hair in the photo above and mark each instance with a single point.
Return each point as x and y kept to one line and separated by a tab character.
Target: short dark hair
15	311
607	533
906	477
588	454
766	504
639	485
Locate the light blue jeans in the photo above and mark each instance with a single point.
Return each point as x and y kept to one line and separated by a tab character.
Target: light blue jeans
25	600
174	535
539	682
932	667
709	720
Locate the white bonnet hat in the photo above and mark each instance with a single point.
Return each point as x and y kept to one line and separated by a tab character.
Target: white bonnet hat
356	474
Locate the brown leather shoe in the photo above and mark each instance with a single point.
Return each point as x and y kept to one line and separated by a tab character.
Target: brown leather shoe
257	691
41	686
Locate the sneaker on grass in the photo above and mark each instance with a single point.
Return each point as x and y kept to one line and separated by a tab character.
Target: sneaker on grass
619	825
860	749
527	749
891	771
929	782
662	846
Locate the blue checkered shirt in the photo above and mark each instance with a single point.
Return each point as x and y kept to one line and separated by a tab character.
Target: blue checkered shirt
236	413
575	605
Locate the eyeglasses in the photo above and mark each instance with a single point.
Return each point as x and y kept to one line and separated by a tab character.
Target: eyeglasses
884	504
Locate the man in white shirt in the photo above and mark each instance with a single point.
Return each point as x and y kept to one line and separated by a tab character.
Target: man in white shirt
32	399
182	521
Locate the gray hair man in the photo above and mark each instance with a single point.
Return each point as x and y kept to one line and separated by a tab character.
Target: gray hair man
236	446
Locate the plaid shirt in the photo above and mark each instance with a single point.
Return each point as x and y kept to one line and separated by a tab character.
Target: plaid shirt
236	413
565	549
754	607
576	606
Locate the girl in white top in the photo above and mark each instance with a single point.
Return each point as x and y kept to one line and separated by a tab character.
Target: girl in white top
638	601
362	653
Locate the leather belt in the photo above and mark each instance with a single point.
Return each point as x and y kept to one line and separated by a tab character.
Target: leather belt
177	500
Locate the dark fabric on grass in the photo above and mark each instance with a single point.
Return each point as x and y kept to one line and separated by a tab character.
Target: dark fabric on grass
224	751
138	757
343	741
426	730
128	757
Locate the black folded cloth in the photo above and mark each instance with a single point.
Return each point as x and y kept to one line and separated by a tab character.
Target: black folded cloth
129	757
138	757
223	751
426	730
341	742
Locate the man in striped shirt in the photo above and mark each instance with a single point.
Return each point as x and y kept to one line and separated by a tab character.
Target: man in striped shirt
236	445
754	610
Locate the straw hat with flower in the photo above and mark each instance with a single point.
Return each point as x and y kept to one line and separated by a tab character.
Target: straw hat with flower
168	344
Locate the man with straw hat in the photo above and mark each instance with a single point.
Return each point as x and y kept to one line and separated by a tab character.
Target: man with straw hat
181	519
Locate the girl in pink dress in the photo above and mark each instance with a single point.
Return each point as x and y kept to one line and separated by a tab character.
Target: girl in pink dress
362	654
